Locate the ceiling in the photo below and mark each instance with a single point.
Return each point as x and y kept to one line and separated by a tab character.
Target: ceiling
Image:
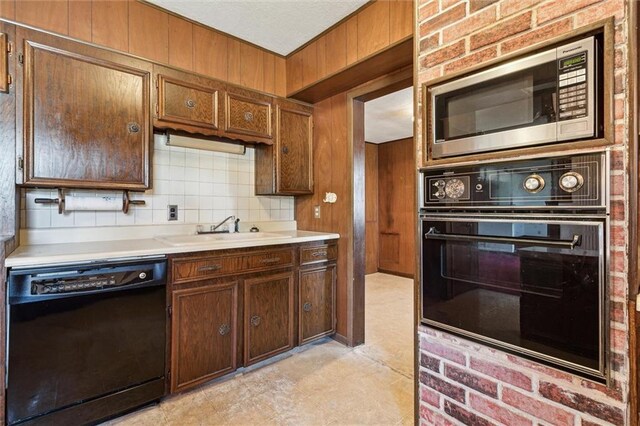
280	26
389	117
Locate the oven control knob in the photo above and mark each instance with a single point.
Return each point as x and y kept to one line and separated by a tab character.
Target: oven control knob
533	183
571	181
142	275
439	184
439	194
454	188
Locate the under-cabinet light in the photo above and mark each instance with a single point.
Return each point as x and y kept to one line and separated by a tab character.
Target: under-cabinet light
205	144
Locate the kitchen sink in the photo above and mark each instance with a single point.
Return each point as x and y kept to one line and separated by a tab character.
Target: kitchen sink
199	239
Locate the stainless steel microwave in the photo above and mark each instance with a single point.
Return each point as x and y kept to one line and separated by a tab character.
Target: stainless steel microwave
546	97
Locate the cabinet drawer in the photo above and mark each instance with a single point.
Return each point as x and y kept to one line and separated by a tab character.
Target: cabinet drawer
191	269
318	253
270	259
186	103
248	116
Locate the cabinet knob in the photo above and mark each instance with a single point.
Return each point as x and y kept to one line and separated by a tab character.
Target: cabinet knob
224	329
307	307
190	103
248	116
133	127
285	149
255	320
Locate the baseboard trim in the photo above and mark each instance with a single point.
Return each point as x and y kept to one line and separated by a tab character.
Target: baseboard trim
399	274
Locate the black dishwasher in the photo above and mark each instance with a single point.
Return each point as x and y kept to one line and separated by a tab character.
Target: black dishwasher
85	342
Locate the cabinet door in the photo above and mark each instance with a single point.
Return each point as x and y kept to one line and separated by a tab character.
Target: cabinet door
268	316
204	334
294	165
187	102
316	310
85	115
248	115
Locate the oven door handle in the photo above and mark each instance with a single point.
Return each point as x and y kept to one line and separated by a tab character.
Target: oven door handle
433	234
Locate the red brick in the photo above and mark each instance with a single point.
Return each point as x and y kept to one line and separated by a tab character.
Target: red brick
555	9
618	210
501	31
444	54
617	157
464	416
502	373
446	4
616	310
469	25
619	340
429	396
620	133
619	58
430	362
445	388
584	422
471	60
433	418
509	7
618	236
601	11
618	109
618	362
428	74
613	391
620	35
475	5
619	83
429	43
540	368
472	381
443	19
618	287
428	10
539	35
493	410
537	408
581	403
617	185
444	351
617	260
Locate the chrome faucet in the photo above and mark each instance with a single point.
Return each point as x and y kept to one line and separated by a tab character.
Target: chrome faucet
215	227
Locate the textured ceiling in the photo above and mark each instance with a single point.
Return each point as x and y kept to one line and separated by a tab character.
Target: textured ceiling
389	117
277	25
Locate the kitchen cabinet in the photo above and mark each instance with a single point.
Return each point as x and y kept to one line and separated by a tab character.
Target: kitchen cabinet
268	316
83	115
316	309
248	115
286	168
187	102
204	333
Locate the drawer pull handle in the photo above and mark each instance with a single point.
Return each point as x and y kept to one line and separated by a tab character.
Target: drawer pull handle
133	127
248	116
270	260
255	320
209	268
224	329
319	253
190	103
307	307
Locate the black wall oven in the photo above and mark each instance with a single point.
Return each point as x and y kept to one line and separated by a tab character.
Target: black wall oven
515	255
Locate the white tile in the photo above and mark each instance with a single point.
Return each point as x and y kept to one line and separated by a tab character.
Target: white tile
206	203
244	178
64	220
244	191
192	188
192	158
143	217
84	218
275	203
243	203
191	173
159	217
160	202
106	218
161	158
220	176
127	219
191	216
206	175
206	189
177	157
191	202
176	187
205	216
220	189
206	162
176	173
162	187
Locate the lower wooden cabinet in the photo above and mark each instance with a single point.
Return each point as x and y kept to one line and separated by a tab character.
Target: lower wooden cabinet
316	309
204	333
268	316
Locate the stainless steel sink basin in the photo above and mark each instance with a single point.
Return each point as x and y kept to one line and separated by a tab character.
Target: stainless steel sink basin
193	240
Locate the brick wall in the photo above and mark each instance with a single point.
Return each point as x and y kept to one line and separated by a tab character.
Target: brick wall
465	382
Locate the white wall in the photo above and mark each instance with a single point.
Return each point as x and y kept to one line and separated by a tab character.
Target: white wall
206	186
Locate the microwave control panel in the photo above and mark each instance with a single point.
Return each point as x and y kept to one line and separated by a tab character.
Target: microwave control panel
572	87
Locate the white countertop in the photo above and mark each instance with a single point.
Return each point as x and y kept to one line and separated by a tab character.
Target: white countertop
89	251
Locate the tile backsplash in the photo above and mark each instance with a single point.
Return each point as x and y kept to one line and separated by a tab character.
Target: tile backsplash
206	186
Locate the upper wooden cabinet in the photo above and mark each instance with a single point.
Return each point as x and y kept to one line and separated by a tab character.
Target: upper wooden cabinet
286	168
248	115
83	115
187	102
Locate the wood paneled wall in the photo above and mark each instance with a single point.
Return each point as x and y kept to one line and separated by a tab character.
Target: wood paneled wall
143	30
397	209
331	165
371	208
9	205
373	28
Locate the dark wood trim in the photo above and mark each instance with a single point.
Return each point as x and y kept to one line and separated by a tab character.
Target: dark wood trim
395	140
397	274
383	62
340	339
417	141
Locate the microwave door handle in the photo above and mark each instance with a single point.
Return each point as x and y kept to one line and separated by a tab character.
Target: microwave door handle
432	234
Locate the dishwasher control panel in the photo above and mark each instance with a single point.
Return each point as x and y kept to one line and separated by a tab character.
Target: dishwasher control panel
90	282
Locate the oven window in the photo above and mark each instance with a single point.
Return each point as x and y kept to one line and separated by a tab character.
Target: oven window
518	283
513	101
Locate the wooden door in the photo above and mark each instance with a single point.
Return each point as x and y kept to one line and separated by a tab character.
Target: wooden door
294	165
85	117
268	316
204	334
316	309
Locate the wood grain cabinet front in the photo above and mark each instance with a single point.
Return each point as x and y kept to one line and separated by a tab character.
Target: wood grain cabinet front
248	115
316	309
204	334
268	316
286	168
83	115
187	102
